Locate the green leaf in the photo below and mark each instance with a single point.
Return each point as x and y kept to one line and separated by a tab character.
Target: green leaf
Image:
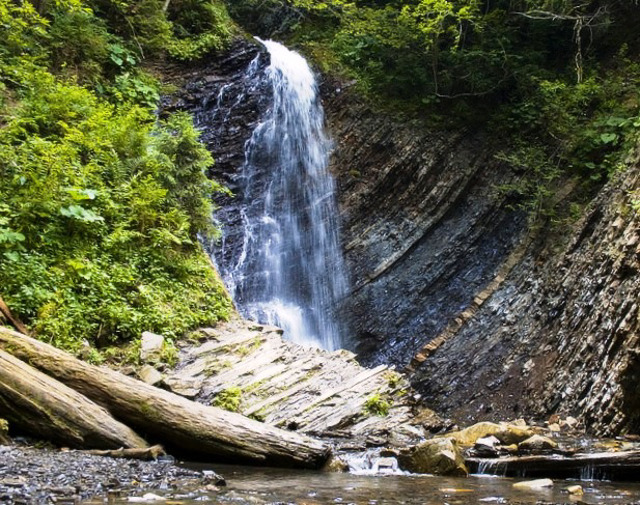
608	138
81	214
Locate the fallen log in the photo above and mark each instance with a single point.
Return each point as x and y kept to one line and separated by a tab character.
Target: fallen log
623	465
181	425
144	454
17	324
43	407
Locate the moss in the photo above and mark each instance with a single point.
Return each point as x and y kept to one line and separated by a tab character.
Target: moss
229	399
377	406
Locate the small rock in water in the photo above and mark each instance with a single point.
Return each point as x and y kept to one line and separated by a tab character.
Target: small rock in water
148	497
537	443
575	490
487	446
533	485
439	456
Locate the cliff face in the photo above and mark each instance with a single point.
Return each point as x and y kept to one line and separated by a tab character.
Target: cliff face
496	321
423	225
505	322
561	333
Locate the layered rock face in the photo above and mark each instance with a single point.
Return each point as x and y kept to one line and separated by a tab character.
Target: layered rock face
506	322
561	333
423	224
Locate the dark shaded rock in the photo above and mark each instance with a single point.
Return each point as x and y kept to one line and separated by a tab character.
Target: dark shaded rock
423	226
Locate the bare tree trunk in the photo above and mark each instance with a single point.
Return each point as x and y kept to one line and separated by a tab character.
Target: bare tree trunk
46	408
178	423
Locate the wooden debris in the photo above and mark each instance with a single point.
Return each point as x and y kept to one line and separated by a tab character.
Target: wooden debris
145	454
43	407
184	425
17	324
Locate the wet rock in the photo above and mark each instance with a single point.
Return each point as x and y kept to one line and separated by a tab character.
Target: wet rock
537	443
534	485
438	456
487	447
575	490
151	346
336	465
506	433
150	375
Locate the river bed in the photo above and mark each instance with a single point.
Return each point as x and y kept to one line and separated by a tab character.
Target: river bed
247	485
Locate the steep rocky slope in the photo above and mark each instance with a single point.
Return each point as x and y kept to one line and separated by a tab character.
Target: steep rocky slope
424	226
505	321
495	321
561	333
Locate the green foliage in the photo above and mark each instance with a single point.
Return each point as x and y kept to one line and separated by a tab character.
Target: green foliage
229	399
377	406
101	204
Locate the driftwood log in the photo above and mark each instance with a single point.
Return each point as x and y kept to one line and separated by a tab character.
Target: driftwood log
145	454
181	425
621	465
43	407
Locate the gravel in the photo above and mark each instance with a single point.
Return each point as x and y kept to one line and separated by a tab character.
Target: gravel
45	476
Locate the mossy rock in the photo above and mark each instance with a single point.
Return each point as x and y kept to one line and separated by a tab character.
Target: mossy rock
4	432
507	433
438	456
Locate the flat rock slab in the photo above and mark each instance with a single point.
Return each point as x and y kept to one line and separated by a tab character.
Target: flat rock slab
316	392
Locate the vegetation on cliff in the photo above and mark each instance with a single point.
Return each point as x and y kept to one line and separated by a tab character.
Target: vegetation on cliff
101	203
555	81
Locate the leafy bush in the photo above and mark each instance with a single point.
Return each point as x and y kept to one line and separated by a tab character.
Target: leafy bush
101	204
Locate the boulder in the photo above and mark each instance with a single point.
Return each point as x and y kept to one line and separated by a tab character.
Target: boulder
439	456
534	485
151	346
506	433
537	443
575	490
487	446
335	465
150	375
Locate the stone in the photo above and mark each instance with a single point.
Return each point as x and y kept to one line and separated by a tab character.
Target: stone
405	434
569	423
506	433
150	375
554	427
487	446
534	485
575	490
335	465
537	443
438	456
151	346
4	432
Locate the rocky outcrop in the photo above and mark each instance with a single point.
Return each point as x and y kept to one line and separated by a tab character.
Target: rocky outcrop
424	226
251	369
496	321
561	334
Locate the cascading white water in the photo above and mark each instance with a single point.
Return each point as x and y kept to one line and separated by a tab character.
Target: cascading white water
289	272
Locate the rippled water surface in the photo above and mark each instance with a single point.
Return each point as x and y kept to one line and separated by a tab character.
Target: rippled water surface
266	485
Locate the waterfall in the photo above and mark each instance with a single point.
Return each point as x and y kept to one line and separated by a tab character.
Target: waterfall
289	268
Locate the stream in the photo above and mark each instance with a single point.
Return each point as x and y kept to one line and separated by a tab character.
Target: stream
247	485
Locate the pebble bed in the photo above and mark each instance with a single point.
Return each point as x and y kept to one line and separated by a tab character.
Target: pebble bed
44	476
